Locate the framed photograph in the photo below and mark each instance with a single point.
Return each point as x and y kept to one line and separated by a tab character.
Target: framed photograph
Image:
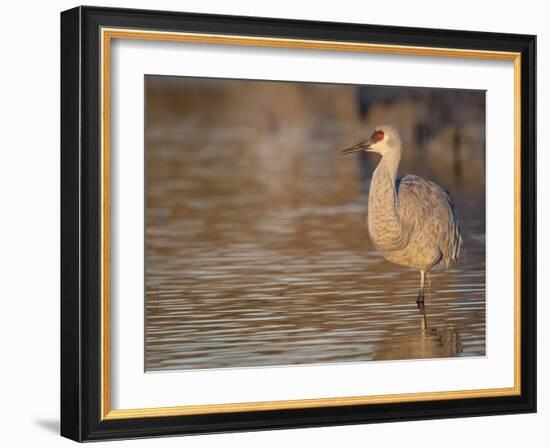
276	224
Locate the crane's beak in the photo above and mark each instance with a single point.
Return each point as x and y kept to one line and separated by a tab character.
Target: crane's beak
363	146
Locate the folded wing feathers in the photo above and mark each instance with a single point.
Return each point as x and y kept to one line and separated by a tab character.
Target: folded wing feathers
427	208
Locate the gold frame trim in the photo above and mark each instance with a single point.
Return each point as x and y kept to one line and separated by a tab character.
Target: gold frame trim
107	35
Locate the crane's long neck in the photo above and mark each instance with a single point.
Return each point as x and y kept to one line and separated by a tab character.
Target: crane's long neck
383	217
383	189
387	168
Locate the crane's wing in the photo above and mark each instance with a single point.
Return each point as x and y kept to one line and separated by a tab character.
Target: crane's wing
426	208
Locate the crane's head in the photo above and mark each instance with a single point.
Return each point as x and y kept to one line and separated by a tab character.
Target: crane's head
384	140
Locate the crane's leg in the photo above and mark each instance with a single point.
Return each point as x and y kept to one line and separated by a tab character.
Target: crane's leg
420	299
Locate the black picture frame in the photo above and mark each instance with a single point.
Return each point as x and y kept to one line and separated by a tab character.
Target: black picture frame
81	225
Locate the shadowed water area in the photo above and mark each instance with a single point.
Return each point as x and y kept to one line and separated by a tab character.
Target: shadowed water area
257	251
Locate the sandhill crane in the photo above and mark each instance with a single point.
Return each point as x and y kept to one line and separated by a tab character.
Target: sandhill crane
411	221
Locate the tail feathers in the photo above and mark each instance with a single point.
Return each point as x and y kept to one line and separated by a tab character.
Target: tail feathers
452	252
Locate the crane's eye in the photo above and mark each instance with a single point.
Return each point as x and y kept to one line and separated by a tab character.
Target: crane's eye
377	136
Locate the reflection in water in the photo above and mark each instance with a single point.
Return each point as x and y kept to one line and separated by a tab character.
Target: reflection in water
257	252
424	341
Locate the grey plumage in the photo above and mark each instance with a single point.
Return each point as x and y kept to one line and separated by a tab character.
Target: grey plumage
411	221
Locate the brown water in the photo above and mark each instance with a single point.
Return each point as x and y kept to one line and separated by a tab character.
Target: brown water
257	253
